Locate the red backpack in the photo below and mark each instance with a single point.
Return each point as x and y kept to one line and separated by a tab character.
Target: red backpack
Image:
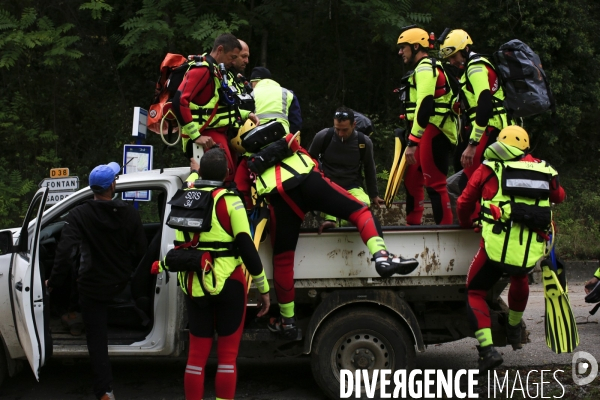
172	71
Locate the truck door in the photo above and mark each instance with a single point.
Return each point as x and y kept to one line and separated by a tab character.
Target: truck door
27	288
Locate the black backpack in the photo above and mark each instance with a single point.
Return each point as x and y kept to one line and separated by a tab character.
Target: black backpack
526	88
362	146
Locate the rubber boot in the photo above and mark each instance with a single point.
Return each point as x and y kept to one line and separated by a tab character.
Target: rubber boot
285	327
386	264
489	358
513	335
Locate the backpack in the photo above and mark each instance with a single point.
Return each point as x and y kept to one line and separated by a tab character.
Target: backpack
363	123
191	210
362	147
364	126
172	71
526	88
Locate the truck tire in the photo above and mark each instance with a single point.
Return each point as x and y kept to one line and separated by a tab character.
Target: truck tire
359	338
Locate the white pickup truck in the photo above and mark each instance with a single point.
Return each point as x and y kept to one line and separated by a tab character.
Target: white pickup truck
350	317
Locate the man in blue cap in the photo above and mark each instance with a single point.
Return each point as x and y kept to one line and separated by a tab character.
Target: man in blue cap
106	235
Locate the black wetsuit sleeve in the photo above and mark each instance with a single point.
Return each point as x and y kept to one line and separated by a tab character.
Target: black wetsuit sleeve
425	111
484	108
248	253
370	170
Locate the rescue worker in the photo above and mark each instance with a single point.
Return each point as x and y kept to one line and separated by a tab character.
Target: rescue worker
508	245
275	102
201	102
236	75
344	152
482	99
293	186
219	306
427	100
589	285
107	237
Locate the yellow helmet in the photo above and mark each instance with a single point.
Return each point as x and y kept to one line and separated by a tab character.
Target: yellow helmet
414	36
515	136
236	142
454	41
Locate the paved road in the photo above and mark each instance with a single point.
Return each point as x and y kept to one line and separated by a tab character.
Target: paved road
287	379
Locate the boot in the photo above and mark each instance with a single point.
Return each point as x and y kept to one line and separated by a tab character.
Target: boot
513	335
386	264
489	358
73	321
285	327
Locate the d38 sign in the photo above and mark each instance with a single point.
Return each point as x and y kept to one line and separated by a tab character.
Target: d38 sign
59	172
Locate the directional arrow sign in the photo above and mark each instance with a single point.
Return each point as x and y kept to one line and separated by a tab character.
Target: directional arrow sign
61	184
55	197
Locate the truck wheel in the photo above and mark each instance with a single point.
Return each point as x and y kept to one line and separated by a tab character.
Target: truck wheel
359	338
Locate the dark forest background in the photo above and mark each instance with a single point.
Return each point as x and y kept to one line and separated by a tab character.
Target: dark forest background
71	72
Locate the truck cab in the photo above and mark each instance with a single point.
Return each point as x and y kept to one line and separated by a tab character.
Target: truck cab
350	317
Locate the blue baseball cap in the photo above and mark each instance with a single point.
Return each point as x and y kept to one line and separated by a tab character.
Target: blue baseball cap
103	176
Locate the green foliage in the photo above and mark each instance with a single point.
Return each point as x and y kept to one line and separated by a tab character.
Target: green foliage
578	218
386	17
12	190
159	22
96	7
19	36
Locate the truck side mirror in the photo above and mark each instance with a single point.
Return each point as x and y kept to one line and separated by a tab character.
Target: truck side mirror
6	242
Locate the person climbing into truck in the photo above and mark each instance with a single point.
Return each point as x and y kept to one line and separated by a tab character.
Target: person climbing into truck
482	97
287	176
205	109
212	240
426	96
346	157
515	190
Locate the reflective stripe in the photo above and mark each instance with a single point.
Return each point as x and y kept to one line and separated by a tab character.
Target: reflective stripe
475	70
501	153
283	114
284	94
238	207
527	183
190	369
225	369
478	133
272	115
424	68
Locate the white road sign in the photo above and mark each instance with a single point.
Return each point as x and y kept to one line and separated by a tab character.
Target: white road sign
55	197
61	184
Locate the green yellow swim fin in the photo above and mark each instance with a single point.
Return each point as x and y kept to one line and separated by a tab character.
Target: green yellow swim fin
260	222
388	190
561	329
397	170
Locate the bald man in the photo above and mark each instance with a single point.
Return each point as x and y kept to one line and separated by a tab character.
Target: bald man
240	83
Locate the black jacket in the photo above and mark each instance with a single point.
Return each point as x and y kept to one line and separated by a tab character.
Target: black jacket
109	238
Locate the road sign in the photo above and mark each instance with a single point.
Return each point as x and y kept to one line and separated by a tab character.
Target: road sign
140	120
59	172
137	158
61	184
55	197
